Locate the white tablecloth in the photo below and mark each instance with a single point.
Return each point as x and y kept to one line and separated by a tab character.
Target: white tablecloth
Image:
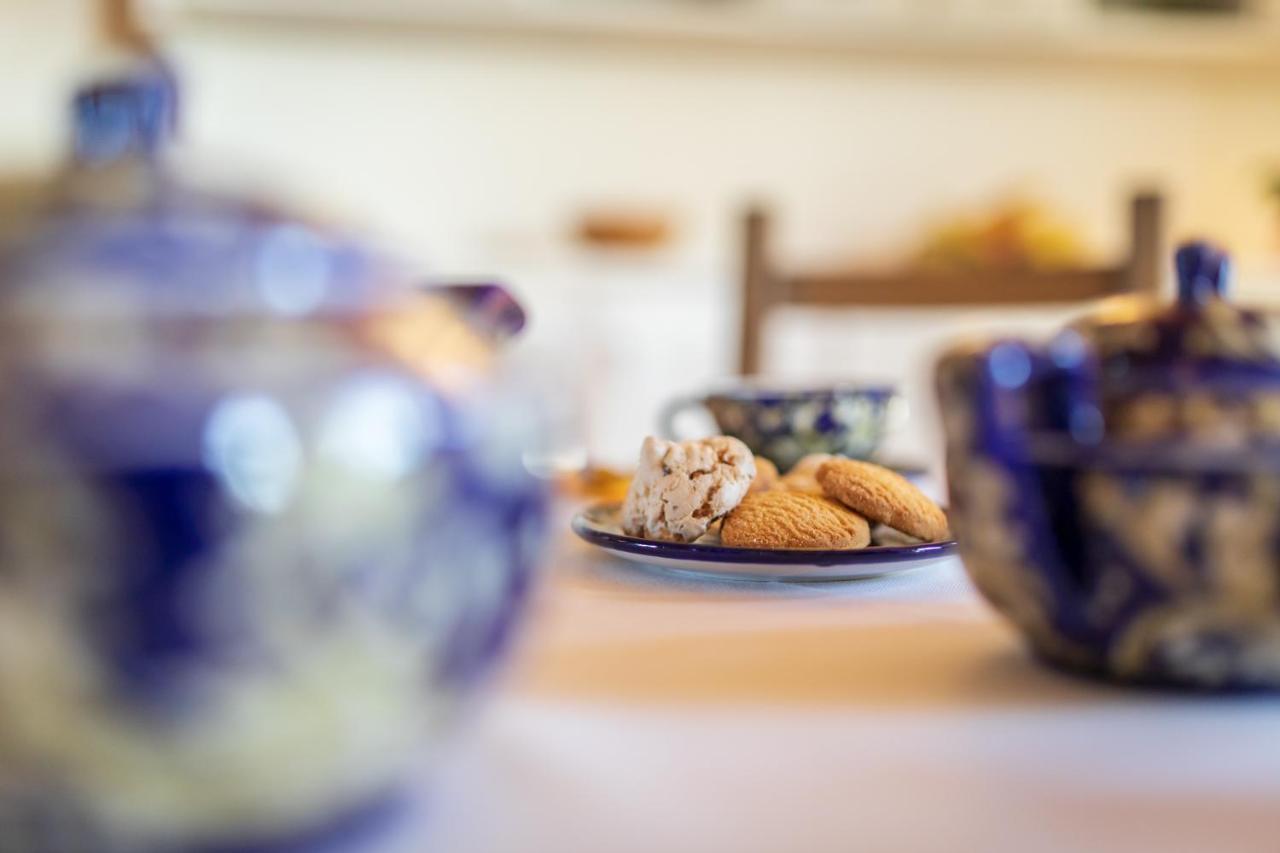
892	714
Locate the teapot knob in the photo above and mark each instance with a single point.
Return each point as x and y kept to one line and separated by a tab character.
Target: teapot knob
131	115
1203	272
127	107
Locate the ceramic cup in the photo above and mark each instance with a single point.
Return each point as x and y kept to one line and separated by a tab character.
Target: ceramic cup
785	424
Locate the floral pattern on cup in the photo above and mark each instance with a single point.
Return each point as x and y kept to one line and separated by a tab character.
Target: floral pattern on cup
785	426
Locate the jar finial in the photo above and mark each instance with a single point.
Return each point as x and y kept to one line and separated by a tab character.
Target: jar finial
1203	272
128	107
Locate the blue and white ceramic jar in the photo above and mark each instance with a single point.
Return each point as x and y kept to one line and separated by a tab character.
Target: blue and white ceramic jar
264	522
1116	492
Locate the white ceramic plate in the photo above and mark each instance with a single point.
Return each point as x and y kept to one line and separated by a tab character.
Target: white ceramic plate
598	525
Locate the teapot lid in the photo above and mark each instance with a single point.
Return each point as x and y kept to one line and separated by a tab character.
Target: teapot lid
1200	338
119	249
117	230
1190	386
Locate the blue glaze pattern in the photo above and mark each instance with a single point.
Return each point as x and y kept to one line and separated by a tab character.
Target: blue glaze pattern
134	114
786	425
263	510
1129	527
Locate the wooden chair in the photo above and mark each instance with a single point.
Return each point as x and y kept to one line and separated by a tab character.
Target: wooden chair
765	287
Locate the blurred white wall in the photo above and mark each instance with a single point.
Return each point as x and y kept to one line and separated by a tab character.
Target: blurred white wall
472	154
472	140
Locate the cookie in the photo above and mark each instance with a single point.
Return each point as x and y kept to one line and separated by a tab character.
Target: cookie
782	519
766	476
681	487
883	496
801	476
809	465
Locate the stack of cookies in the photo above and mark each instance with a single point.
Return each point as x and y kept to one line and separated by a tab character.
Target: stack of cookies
683	489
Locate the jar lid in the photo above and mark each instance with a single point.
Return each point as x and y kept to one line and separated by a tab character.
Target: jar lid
118	236
1200	339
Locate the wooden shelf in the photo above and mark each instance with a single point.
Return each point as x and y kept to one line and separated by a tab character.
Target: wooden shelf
1047	30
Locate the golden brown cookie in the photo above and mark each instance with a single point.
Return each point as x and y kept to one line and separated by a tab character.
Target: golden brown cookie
801	476
766	476
809	464
805	484
782	519
884	496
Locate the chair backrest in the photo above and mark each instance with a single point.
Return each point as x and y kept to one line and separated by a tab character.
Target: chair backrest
765	287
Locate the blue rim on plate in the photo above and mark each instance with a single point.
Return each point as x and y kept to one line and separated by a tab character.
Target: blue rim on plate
598	525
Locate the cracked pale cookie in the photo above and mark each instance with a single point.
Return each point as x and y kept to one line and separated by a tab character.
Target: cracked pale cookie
883	496
782	519
681	487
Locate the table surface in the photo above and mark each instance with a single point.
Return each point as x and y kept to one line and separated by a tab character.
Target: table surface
645	713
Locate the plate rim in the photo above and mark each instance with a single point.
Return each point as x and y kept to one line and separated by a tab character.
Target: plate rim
585	527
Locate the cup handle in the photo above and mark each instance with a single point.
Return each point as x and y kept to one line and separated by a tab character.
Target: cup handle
672	411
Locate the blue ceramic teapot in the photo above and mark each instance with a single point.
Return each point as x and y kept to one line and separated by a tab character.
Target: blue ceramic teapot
264	523
1116	492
